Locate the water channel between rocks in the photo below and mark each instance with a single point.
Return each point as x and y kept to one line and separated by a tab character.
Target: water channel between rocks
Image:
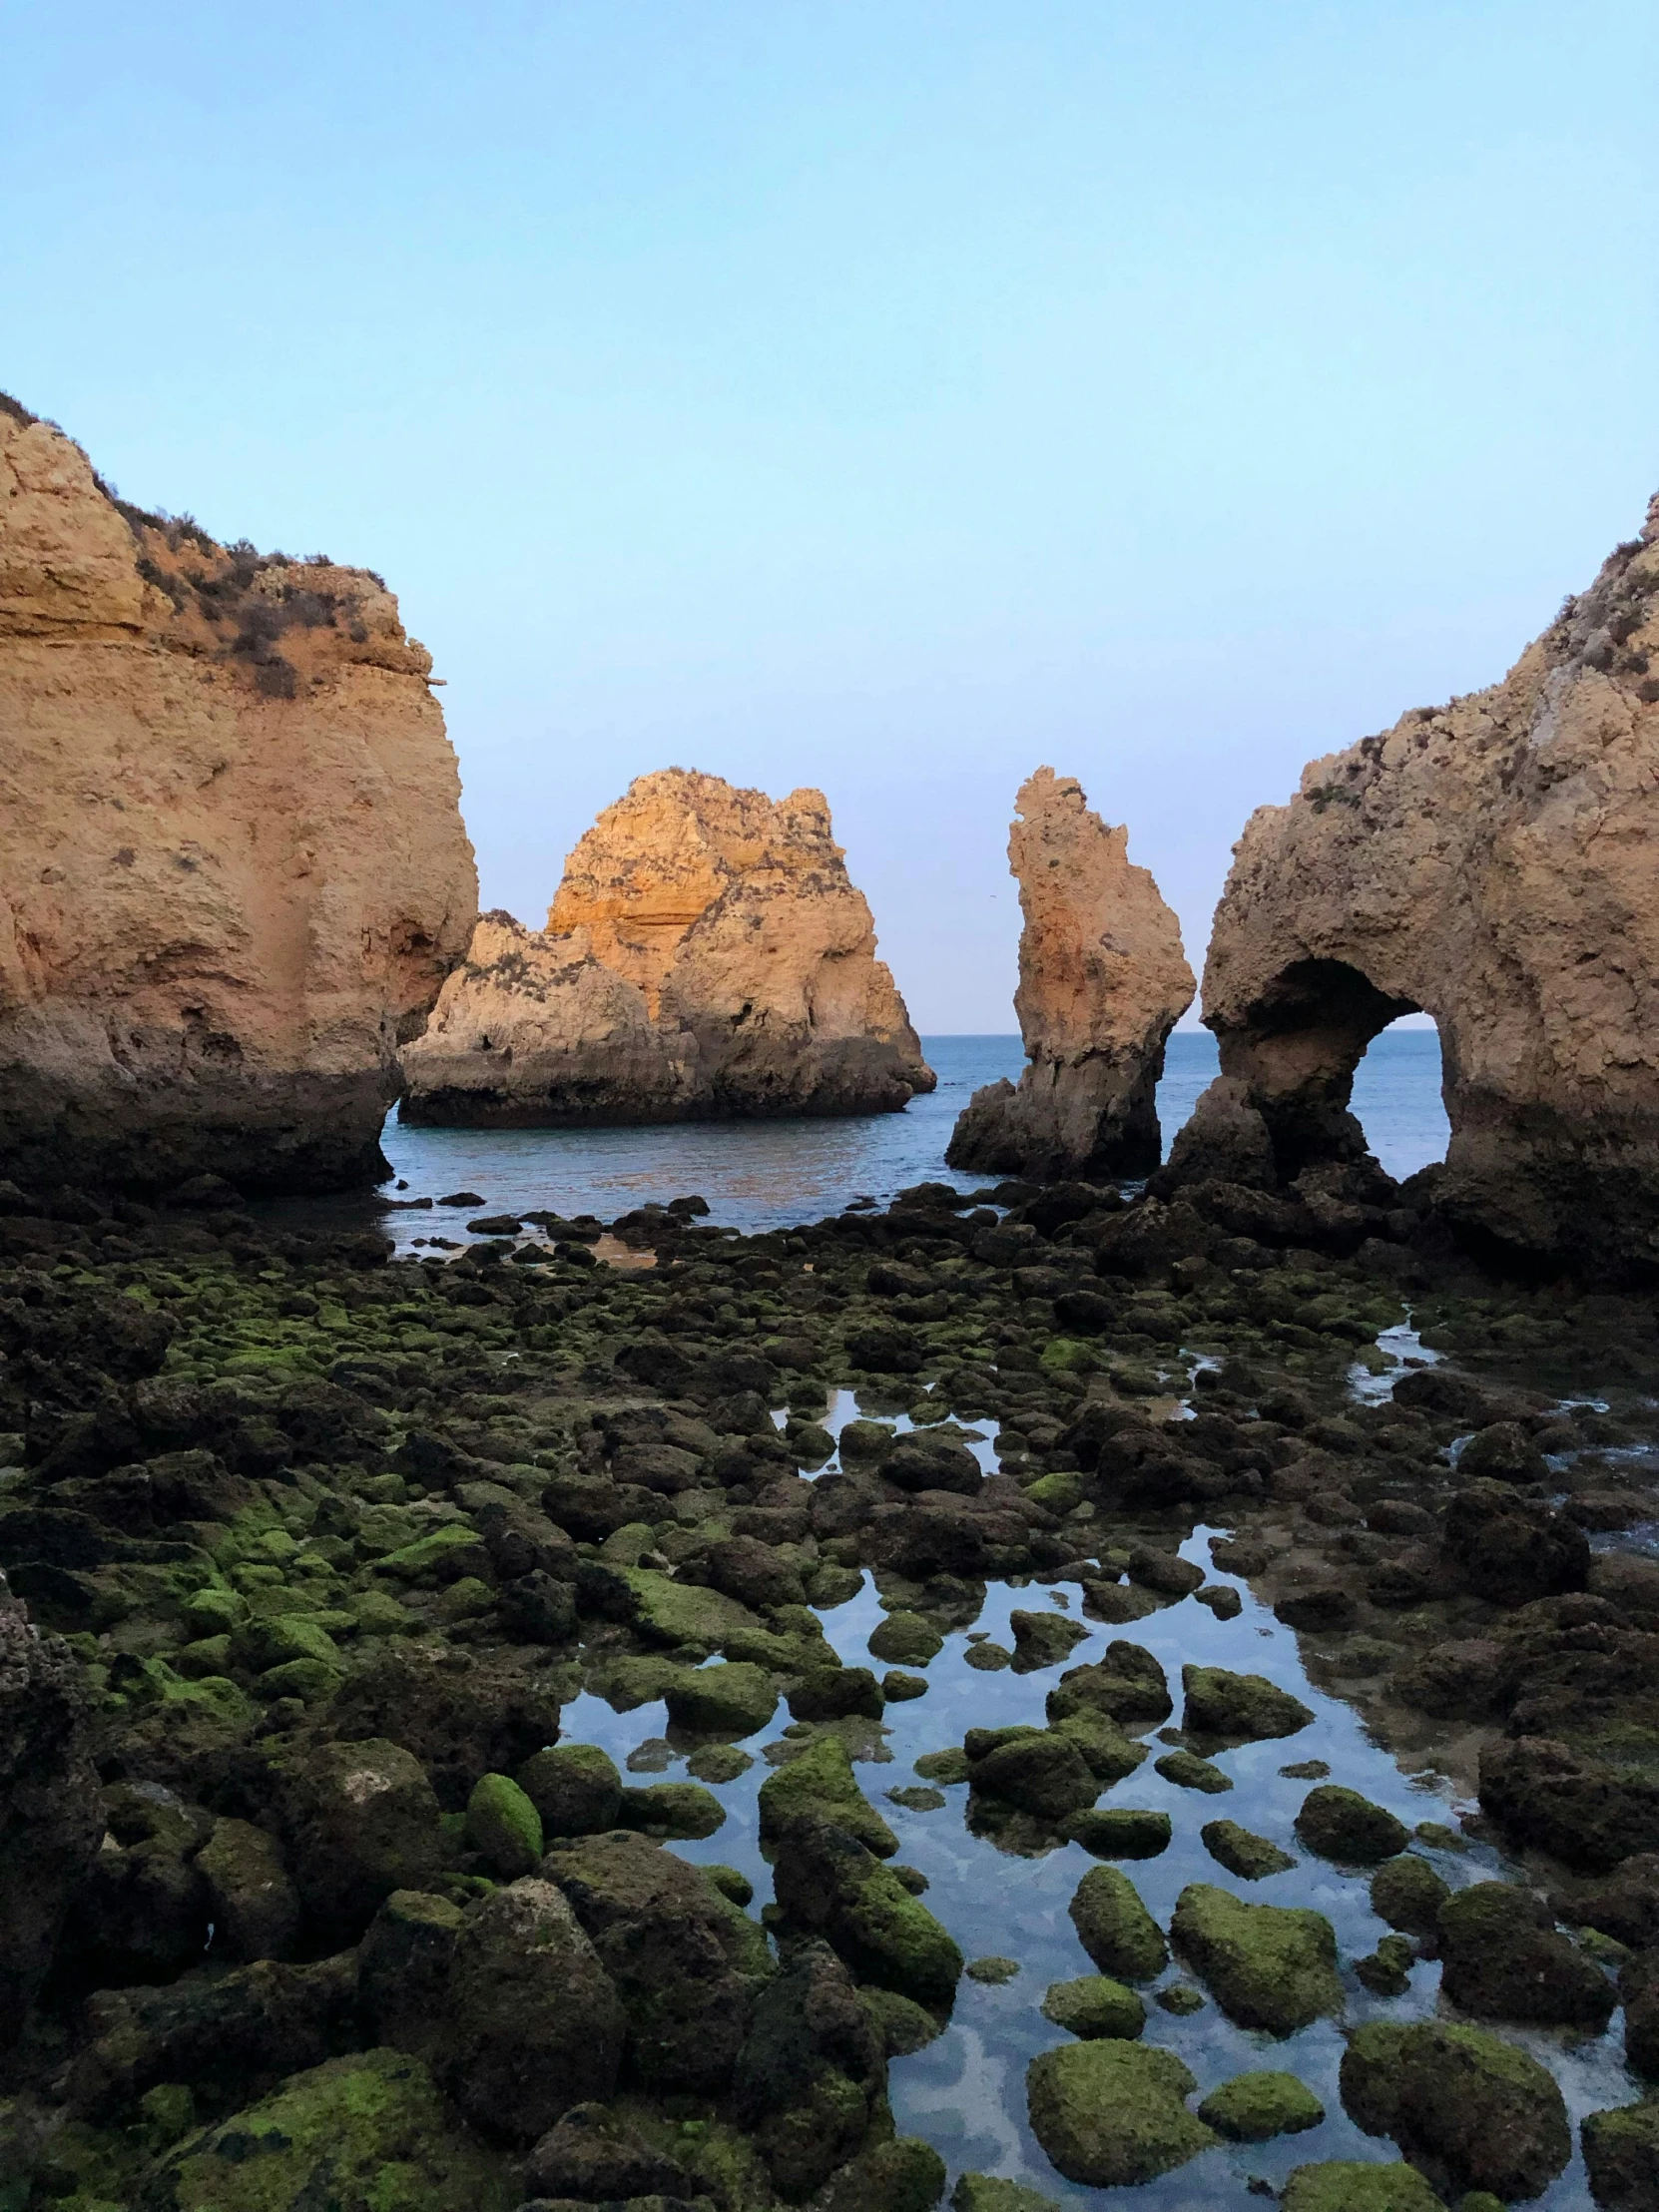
965	2092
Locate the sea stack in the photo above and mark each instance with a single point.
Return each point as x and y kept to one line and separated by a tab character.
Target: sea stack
1492	862
1102	982
705	956
233	869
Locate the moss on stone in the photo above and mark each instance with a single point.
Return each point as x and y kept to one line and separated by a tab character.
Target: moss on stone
1112	2113
985	2193
503	1827
1338	1823
667	1810
1093	2006
1407	1894
902	2024
1243	1707
1347	2185
1115	1927
1268	1966
1111	1755
1189	1772
1254	2106
905	1639
818	1784
1242	1851
1621	2156
730	1698
1125	1832
682	1614
574	1787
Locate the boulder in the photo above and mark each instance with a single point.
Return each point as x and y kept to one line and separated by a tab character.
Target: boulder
462	1714
225	953
1484	861
1242	1852
1241	1708
1503	1959
1094	2005
360	1820
1102	982
403	1968
251	1902
1586	1811
1407	1894
595	2154
1115	1928
1112	2113
1252	2107
811	2072
1338	1823
1509	1550
1621	2155
706	954
1471	2108
1270	1967
818	1788
535	2022
1353	2185
574	1787
827	1882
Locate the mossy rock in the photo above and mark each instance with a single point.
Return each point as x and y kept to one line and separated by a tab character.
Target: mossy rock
1111	2113
1407	1894
1115	1927
1110	1754
906	2175
905	1639
443	1556
261	1644
1254	2106
1093	2006
672	1810
1339	1824
1242	1851
730	1698
1126	1832
1347	2185
948	1766
992	1971
1043	1639
361	2135
902	2024
1387	1972
503	1827
1189	1772
574	1787
819	1785
1621	2156
1245	1708
985	2193
1268	1966
719	1763
682	1614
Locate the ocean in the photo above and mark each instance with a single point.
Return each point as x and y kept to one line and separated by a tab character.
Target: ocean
768	1173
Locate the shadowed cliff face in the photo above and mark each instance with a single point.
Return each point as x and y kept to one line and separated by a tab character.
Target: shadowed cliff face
1102	982
233	869
706	956
1492	864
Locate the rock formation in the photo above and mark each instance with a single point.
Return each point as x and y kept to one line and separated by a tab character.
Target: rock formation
233	869
1102	982
706	956
1492	862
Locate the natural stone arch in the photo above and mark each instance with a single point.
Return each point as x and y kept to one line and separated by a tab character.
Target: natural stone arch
1491	864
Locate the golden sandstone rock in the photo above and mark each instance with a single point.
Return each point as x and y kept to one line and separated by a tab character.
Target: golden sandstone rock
233	869
1102	982
1492	863
705	955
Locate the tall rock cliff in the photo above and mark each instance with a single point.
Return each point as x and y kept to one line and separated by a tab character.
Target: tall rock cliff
233	869
1492	863
706	956
1102	982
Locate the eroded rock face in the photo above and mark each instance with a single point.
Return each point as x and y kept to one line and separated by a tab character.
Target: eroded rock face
706	956
233	869
1491	862
1102	982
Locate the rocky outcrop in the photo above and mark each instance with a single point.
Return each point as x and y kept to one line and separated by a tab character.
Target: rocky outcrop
706	956
1102	982
233	869
1491	862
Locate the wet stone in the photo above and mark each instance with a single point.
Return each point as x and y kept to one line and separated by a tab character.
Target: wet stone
1242	1852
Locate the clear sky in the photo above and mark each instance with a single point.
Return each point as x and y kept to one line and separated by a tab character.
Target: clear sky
878	394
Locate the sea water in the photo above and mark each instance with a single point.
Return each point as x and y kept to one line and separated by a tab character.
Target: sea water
769	1173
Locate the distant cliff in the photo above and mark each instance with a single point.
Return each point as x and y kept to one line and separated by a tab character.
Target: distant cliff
233	869
706	956
1102	982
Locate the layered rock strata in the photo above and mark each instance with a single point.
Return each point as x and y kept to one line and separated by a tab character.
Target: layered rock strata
233	869
1491	862
706	956
1102	982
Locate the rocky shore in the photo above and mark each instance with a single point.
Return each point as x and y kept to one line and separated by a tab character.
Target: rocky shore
318	1888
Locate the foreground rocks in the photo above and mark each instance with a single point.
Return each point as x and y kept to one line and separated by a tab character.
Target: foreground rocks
1486	863
705	955
1102	982
233	870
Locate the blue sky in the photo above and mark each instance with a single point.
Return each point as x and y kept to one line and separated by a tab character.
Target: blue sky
888	397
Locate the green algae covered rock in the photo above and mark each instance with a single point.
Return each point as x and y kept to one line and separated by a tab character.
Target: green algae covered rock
574	1787
1111	2113
361	1821
1243	1707
905	1639
682	1614
361	2135
1093	2006
1340	1823
1407	1894
1270	1967
1043	1639
819	1785
1462	2101
902	2024
828	1882
1254	2106
906	2175
1350	2185
665	1810
503	1827
1126	1832
730	1698
1189	1772
1109	1754
1115	1927
1621	2155
1035	1769
1242	1851
985	2193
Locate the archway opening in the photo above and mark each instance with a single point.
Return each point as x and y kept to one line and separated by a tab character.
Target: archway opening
1396	1096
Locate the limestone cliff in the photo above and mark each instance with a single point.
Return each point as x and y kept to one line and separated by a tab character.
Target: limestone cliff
233	869
1492	862
1102	982
706	956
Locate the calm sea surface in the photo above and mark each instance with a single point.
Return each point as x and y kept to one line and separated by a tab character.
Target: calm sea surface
761	1175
